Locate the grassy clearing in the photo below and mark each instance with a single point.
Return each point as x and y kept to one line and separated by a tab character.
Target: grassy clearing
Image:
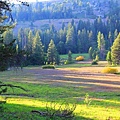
104	104
74	65
85	55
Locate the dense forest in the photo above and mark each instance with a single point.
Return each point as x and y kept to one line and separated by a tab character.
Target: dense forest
99	29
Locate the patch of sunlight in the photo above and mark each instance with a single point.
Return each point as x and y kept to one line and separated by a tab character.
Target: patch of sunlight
2	98
28	102
92	112
112	101
97	112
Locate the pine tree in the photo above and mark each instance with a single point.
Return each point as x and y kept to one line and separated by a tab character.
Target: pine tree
38	50
70	39
115	51
61	47
52	54
29	42
69	57
7	50
90	52
110	40
101	45
8	36
115	34
108	57
22	39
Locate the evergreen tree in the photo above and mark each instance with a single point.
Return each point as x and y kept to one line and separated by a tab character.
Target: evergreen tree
115	34
90	52
22	39
70	39
61	47
79	45
52	54
94	54
101	45
109	39
97	58
108	57
8	36
69	57
115	51
91	39
38	51
29	42
63	25
84	40
7	50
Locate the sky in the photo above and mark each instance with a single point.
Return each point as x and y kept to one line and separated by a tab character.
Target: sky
29	0
35	0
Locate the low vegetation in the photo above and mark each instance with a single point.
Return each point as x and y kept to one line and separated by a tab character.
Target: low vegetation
110	70
48	67
80	58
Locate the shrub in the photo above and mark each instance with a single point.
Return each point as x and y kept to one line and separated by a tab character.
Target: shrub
54	111
48	67
80	58
110	70
68	62
94	62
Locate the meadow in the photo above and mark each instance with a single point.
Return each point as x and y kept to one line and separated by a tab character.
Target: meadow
96	95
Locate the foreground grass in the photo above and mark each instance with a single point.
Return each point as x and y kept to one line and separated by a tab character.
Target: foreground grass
100	106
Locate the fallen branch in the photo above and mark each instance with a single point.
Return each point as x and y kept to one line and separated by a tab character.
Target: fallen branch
12	86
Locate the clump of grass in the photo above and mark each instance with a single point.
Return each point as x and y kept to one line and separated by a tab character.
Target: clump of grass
87	100
48	67
56	111
110	70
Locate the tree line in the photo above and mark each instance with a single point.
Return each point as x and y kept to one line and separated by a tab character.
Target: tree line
37	47
77	39
66	9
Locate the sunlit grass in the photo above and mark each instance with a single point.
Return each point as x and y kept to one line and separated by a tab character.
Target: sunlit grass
74	65
104	104
92	111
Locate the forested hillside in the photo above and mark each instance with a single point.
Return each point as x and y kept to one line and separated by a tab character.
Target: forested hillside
81	25
63	9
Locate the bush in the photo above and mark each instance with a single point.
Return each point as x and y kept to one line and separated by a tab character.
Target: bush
48	67
94	62
68	62
110	70
80	58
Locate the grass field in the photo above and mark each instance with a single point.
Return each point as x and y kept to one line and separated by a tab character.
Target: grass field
85	55
59	85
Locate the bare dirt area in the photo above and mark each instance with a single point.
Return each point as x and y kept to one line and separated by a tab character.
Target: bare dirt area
89	78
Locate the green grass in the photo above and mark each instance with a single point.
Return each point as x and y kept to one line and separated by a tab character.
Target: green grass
64	57
74	65
20	103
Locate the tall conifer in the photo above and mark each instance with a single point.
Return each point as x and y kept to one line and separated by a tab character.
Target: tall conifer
115	51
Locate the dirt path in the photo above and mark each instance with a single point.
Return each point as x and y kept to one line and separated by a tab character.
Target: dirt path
89	78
